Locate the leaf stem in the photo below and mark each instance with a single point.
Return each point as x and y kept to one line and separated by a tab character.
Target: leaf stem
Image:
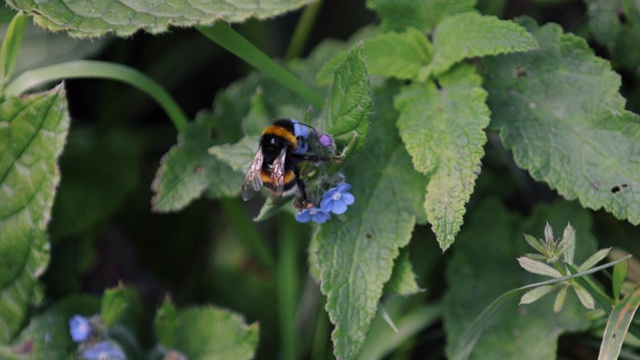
302	31
288	283
225	36
100	70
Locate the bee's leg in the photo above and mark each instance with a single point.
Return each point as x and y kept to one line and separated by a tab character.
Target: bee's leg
301	186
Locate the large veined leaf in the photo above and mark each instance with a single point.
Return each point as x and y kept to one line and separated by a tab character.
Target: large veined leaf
558	108
443	131
33	129
97	18
355	252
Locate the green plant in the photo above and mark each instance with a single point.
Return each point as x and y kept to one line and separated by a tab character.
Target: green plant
438	102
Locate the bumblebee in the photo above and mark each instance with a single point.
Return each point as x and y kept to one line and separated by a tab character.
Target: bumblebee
275	166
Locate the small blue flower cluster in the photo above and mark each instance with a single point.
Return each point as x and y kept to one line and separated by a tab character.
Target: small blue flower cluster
335	200
82	330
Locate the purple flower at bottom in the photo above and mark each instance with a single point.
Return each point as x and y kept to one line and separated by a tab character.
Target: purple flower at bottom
80	328
337	199
314	214
104	350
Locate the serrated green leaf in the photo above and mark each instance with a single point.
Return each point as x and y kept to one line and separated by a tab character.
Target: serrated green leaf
399	55
618	325
423	15
403	279
97	18
347	110
213	333
363	243
616	25
238	155
188	170
538	267
443	131
165	323
468	35
558	108
119	304
33	129
47	334
484	265
536	293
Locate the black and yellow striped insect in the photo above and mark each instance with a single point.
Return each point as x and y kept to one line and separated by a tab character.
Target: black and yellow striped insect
275	165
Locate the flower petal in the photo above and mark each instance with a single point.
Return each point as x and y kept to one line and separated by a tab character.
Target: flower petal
303	216
338	207
348	198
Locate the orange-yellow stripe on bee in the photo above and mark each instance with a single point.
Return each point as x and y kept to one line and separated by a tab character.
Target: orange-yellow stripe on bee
283	133
289	176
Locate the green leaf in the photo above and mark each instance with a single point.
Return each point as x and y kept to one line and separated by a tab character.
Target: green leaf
120	305
403	279
443	131
618	325
558	108
484	265
33	129
619	275
47	334
165	323
188	170
347	110
535	294
399	55
468	35
538	267
423	15
208	333
616	25
97	18
11	47
363	243
594	259
238	155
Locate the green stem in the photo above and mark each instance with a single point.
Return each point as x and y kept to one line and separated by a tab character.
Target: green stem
288	282
302	31
247	228
11	47
100	70
319	346
229	39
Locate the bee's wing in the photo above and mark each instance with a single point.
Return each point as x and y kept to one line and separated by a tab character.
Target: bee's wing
277	173
252	180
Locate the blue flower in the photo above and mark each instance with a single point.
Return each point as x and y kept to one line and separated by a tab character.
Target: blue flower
337	199
314	214
104	350
80	328
301	131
